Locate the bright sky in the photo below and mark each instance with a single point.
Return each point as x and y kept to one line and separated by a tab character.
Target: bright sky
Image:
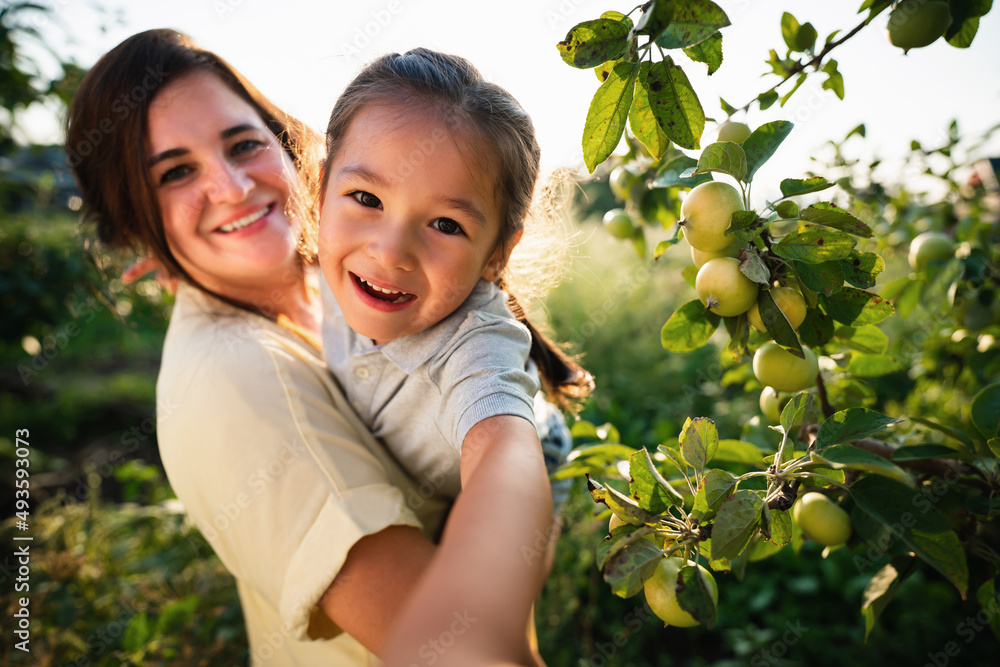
302	53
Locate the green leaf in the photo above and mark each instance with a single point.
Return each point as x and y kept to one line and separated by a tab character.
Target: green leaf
799	80
735	524
715	487
655	19
695	596
917	452
737	451
874	365
137	633
641	118
947	430
801	408
818	483
664	246
965	16
754	268
789	31
985	411
825	278
644	488
776	323
988	597
839	457
834	80
708	52
767	99
669	175
791	187
607	114
994	445
814	245
762	143
626	508
689	327
882	588
626	570
851	424
787	209
693	22
816	329
675	104
690	274
830	215
747	225
868	339
856	307
862	268
725	157
606	433
591	43
699	439
885	510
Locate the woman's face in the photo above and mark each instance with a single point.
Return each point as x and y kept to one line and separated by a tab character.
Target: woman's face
222	181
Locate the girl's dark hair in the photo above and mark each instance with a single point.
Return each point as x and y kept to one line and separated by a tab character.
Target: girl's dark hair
425	80
106	130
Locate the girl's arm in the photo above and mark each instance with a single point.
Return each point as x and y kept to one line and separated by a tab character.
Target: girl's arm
473	604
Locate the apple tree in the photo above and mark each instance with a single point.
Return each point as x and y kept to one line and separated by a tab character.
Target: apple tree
906	483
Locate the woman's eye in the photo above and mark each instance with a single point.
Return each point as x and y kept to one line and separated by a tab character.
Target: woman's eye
174	174
246	146
447	226
367	199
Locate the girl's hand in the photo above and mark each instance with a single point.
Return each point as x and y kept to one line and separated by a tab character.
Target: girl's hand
148	265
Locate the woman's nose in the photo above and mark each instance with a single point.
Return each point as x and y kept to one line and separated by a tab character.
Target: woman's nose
228	183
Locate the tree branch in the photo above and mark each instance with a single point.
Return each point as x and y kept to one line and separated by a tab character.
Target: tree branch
814	63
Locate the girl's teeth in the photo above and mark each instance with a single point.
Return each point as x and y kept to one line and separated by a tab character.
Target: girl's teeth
245	221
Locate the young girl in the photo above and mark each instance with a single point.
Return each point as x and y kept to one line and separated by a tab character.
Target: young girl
429	175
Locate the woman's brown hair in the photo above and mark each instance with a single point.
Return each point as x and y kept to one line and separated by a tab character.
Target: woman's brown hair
106	130
425	80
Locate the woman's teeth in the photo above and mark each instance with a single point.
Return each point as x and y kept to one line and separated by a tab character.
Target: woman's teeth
245	221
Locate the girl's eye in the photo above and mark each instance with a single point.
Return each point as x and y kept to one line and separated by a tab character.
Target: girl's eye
448	226
174	174
367	199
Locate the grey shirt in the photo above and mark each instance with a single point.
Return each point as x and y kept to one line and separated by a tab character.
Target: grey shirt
422	393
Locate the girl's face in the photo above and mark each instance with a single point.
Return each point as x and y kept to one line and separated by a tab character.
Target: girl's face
409	223
222	182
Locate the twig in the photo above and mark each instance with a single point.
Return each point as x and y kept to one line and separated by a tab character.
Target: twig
824	400
815	62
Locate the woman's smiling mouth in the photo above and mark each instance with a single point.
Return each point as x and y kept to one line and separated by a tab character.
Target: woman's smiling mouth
246	220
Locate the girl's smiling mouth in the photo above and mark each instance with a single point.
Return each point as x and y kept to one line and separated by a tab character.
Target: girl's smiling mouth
382	293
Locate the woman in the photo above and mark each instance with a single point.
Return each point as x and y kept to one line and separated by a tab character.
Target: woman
178	156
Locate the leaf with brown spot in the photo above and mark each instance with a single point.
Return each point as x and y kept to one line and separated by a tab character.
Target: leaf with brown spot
814	245
856	307
591	43
675	104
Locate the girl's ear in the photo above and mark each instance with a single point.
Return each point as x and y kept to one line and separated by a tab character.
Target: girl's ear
495	266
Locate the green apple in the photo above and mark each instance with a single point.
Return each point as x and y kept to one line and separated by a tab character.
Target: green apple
789	301
619	223
771	404
723	288
699	257
917	23
929	247
706	213
661	591
733	131
775	367
822	519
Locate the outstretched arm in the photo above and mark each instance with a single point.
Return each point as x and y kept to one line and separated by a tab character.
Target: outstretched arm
472	605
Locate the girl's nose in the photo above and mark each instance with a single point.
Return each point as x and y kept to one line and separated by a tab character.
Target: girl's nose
392	247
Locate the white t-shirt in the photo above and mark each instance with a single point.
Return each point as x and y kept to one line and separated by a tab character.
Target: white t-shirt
276	470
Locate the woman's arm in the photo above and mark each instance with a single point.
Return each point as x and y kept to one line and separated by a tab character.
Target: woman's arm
380	572
473	604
